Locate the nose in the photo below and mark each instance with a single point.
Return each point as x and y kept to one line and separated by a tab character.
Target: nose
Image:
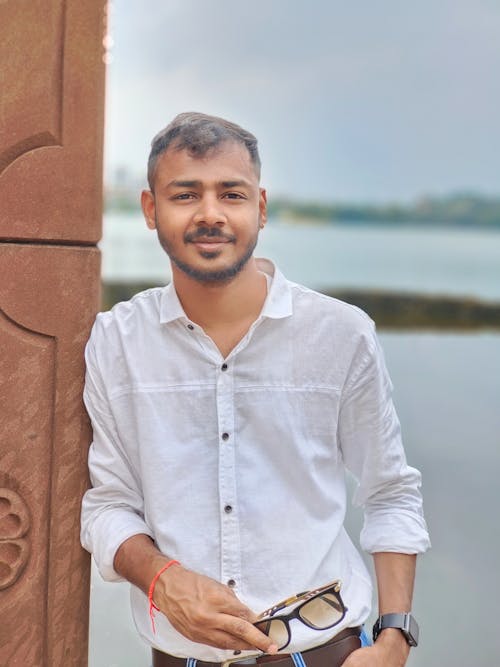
210	211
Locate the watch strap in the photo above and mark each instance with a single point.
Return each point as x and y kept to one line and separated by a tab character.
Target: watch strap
404	622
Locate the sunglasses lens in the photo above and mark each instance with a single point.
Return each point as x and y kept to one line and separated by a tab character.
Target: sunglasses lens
322	612
276	630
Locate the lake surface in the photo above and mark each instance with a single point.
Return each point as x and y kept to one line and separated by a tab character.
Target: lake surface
433	261
447	396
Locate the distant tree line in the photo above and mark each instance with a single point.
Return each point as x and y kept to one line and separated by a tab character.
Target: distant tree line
456	209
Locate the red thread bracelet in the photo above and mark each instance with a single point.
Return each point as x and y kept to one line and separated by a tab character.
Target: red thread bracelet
152	605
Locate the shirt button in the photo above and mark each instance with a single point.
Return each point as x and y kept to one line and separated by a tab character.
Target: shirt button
190	326
237	652
224	367
228	509
231	583
225	436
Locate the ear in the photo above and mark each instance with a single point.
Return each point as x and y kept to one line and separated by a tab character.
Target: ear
149	208
262	207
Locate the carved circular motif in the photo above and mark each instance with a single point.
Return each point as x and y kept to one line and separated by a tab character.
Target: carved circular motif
14	544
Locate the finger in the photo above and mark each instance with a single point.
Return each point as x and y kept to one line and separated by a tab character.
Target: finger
236	608
244	630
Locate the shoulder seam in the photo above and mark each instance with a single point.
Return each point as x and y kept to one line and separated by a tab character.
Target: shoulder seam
350	306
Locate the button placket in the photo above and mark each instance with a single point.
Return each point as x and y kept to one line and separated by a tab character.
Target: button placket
229	522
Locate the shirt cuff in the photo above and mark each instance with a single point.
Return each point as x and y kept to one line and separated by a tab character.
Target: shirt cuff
109	530
400	532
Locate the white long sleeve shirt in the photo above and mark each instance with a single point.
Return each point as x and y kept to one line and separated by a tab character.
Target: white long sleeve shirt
236	466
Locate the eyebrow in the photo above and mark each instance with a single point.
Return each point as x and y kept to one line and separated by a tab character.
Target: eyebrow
184	184
196	184
235	184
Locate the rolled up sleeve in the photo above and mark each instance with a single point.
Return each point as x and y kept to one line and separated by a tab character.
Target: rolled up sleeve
113	509
388	489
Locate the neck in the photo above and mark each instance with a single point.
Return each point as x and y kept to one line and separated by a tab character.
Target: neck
222	305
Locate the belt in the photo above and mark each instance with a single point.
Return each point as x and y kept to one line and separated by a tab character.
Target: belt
331	654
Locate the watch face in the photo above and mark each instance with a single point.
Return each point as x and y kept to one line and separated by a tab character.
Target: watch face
412	635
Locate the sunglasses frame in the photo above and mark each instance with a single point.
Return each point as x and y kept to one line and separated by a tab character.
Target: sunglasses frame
300	599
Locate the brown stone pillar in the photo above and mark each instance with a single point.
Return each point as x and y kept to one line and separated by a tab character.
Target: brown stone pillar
51	128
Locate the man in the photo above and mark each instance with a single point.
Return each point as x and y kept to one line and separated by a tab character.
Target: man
225	407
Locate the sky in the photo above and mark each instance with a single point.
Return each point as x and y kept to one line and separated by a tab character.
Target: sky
351	101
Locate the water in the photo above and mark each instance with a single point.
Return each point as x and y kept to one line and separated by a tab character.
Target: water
440	261
447	396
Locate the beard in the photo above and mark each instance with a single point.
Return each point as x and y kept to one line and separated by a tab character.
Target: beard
218	276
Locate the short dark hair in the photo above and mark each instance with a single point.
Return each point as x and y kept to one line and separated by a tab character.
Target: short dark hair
198	133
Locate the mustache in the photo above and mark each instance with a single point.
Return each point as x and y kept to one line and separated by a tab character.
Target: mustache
207	233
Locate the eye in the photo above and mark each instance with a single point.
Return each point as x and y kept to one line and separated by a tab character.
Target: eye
233	195
183	196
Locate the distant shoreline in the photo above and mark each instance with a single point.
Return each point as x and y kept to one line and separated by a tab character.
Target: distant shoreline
390	310
454	211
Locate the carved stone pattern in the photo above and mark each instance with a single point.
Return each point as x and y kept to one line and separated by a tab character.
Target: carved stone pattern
27	380
15	545
31	103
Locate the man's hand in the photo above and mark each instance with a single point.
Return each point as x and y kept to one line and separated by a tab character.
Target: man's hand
390	650
200	608
208	612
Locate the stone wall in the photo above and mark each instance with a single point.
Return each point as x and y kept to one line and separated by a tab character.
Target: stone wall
51	132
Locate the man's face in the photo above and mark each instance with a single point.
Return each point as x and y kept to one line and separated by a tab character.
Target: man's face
207	211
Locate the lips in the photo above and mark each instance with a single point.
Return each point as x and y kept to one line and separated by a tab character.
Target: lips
210	247
210	240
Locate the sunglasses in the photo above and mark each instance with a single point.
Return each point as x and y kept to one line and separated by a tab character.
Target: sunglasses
319	609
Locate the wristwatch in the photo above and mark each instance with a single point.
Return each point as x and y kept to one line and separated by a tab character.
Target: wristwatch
404	622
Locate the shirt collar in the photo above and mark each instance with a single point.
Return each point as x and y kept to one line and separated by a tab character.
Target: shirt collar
170	306
279	298
278	303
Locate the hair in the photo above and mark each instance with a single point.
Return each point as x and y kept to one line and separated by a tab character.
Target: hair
198	133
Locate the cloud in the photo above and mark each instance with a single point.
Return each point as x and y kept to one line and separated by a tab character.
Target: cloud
366	100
